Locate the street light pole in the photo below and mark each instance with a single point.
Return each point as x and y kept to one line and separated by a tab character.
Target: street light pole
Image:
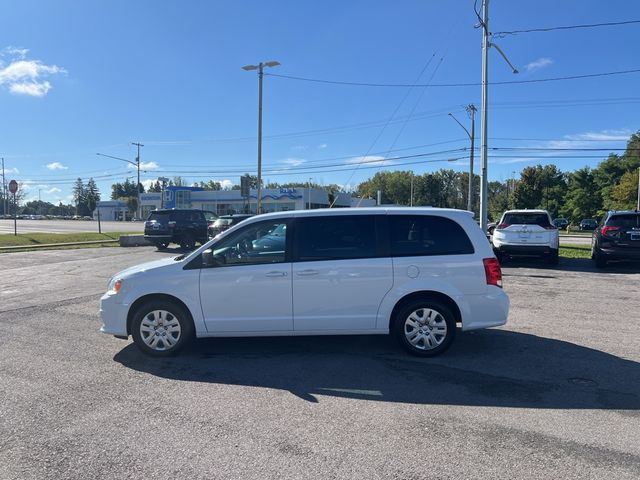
484	189
139	213
4	191
260	68
136	163
471	110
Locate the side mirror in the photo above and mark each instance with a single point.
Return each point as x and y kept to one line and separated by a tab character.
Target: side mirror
207	258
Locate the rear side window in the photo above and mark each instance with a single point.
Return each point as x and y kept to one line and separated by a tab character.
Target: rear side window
420	235
526	219
335	237
160	217
624	221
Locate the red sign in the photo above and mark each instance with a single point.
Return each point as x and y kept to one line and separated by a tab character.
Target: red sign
13	186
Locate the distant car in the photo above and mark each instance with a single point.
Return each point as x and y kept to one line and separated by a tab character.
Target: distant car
561	223
617	239
182	226
491	227
588	224
225	222
526	233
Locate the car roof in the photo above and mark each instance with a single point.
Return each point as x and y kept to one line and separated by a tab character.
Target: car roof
526	210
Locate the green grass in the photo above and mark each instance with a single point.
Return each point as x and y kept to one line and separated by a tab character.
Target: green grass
30	239
575	251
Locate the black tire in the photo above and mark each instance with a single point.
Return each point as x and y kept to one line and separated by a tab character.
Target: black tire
188	242
170	340
162	245
431	343
598	258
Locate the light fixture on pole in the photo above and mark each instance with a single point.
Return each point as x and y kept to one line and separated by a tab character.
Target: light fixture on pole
486	44
136	164
260	68
471	110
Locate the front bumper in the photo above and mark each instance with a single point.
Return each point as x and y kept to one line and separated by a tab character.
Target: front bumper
113	315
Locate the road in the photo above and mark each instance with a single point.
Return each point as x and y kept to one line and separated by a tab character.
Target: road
553	394
69	226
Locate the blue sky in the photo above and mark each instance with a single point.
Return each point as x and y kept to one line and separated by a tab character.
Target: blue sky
77	78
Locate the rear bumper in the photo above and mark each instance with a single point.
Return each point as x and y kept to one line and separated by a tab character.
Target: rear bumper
618	253
158	238
488	310
511	249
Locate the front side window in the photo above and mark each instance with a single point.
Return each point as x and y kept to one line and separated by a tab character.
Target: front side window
420	235
258	243
335	237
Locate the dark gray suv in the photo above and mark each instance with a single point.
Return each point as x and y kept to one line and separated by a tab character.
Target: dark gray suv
618	238
185	227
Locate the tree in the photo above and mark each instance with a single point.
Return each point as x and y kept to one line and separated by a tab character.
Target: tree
123	190
92	195
624	196
210	185
540	187
582	199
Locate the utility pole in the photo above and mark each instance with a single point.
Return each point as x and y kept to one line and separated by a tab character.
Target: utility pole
484	189
260	68
139	212
4	191
471	110
411	197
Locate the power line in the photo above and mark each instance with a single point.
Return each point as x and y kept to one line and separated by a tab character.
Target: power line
564	27
473	84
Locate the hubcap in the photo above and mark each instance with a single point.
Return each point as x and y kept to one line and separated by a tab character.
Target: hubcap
160	330
425	328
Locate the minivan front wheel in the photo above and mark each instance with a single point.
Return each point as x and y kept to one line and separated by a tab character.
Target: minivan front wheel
425	327
161	328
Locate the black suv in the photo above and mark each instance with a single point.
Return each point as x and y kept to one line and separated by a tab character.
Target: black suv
618	238
185	227
225	222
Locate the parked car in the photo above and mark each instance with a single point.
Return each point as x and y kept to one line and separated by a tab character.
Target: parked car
185	227
561	223
225	222
618	238
588	224
491	227
412	272
526	233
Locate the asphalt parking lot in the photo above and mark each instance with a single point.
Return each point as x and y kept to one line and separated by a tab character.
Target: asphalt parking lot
553	394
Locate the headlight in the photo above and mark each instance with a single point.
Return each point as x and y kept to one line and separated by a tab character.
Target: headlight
115	285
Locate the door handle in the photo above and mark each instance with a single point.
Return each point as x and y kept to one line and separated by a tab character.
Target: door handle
306	273
276	274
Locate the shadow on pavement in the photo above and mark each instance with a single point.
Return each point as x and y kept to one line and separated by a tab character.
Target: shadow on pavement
485	368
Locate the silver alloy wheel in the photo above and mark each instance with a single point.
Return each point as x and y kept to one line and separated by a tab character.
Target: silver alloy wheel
160	330
425	328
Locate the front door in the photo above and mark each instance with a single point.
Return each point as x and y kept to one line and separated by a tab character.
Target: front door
249	288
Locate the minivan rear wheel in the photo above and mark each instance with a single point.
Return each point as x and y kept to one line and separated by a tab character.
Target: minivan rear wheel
425	328
161	328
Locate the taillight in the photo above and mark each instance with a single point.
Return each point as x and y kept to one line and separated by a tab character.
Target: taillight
492	271
502	226
608	230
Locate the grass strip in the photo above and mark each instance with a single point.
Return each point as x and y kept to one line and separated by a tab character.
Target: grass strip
29	239
575	251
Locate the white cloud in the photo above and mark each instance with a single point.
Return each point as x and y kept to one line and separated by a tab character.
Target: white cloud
145	166
538	64
11	170
322	146
26	77
226	184
147	184
294	162
54	190
590	139
15	52
56	166
368	160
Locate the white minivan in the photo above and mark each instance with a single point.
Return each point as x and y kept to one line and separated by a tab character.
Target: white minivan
412	272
